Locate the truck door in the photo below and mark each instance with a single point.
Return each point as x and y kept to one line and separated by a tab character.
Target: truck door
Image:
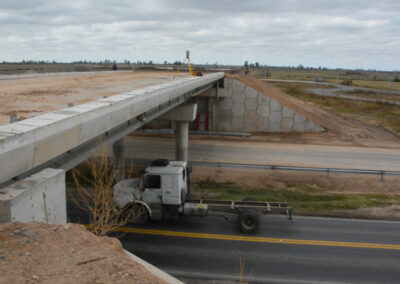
170	194
152	189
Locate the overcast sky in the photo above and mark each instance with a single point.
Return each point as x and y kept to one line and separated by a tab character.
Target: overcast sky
348	33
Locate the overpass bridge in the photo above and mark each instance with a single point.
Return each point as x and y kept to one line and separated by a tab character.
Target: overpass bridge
64	138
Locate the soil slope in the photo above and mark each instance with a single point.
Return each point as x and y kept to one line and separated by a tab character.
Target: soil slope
39	253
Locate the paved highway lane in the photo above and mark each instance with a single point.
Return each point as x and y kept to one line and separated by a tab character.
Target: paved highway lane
280	253
268	153
334	257
309	250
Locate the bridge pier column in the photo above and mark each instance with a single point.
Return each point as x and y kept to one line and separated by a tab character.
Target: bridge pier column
181	115
119	160
181	141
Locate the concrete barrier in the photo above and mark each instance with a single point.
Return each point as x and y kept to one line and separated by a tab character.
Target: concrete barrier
38	198
154	270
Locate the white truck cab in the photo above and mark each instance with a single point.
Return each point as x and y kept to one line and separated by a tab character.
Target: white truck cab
166	183
164	188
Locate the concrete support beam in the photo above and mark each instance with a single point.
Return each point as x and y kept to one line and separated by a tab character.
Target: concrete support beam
181	113
180	118
38	198
119	159
181	141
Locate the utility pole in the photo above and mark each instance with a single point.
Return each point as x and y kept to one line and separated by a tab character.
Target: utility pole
390	81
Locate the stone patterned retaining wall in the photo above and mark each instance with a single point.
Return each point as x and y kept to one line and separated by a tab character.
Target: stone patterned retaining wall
244	109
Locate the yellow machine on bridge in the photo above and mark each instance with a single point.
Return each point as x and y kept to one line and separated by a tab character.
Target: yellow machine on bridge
191	72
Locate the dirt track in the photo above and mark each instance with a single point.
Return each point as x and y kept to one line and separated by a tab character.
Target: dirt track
29	97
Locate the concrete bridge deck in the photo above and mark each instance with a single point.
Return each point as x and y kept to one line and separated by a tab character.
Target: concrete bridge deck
70	134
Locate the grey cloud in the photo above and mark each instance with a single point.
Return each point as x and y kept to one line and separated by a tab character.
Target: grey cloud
338	33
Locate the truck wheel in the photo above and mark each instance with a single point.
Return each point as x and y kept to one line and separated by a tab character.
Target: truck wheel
249	222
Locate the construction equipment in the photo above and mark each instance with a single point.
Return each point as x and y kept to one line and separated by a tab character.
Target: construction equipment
191	72
164	193
347	82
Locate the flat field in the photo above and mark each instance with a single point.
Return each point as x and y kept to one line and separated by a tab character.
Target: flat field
28	97
368	79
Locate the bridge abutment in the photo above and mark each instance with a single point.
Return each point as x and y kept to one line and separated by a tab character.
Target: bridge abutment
37	198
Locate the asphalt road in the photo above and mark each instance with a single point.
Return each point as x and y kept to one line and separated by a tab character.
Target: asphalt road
309	250
279	253
267	153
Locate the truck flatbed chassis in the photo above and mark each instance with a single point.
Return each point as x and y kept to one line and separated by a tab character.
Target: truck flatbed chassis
238	207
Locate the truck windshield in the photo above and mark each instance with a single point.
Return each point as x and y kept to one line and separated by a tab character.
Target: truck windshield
152	181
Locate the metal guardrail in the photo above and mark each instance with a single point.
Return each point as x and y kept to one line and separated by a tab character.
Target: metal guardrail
275	168
210	133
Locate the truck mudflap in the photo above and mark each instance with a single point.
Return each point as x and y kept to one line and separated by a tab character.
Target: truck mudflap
261	208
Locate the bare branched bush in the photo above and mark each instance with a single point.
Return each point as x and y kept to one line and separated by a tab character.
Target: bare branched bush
94	193
134	171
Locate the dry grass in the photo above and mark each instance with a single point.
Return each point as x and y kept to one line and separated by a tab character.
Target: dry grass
345	195
306	199
377	84
380	114
371	94
359	78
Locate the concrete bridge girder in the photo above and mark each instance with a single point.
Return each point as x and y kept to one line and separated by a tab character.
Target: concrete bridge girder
35	143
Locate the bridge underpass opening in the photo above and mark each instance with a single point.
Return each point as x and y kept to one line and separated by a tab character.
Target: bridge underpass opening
65	138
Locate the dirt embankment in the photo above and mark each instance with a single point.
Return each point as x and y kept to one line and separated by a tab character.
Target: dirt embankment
39	253
339	128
